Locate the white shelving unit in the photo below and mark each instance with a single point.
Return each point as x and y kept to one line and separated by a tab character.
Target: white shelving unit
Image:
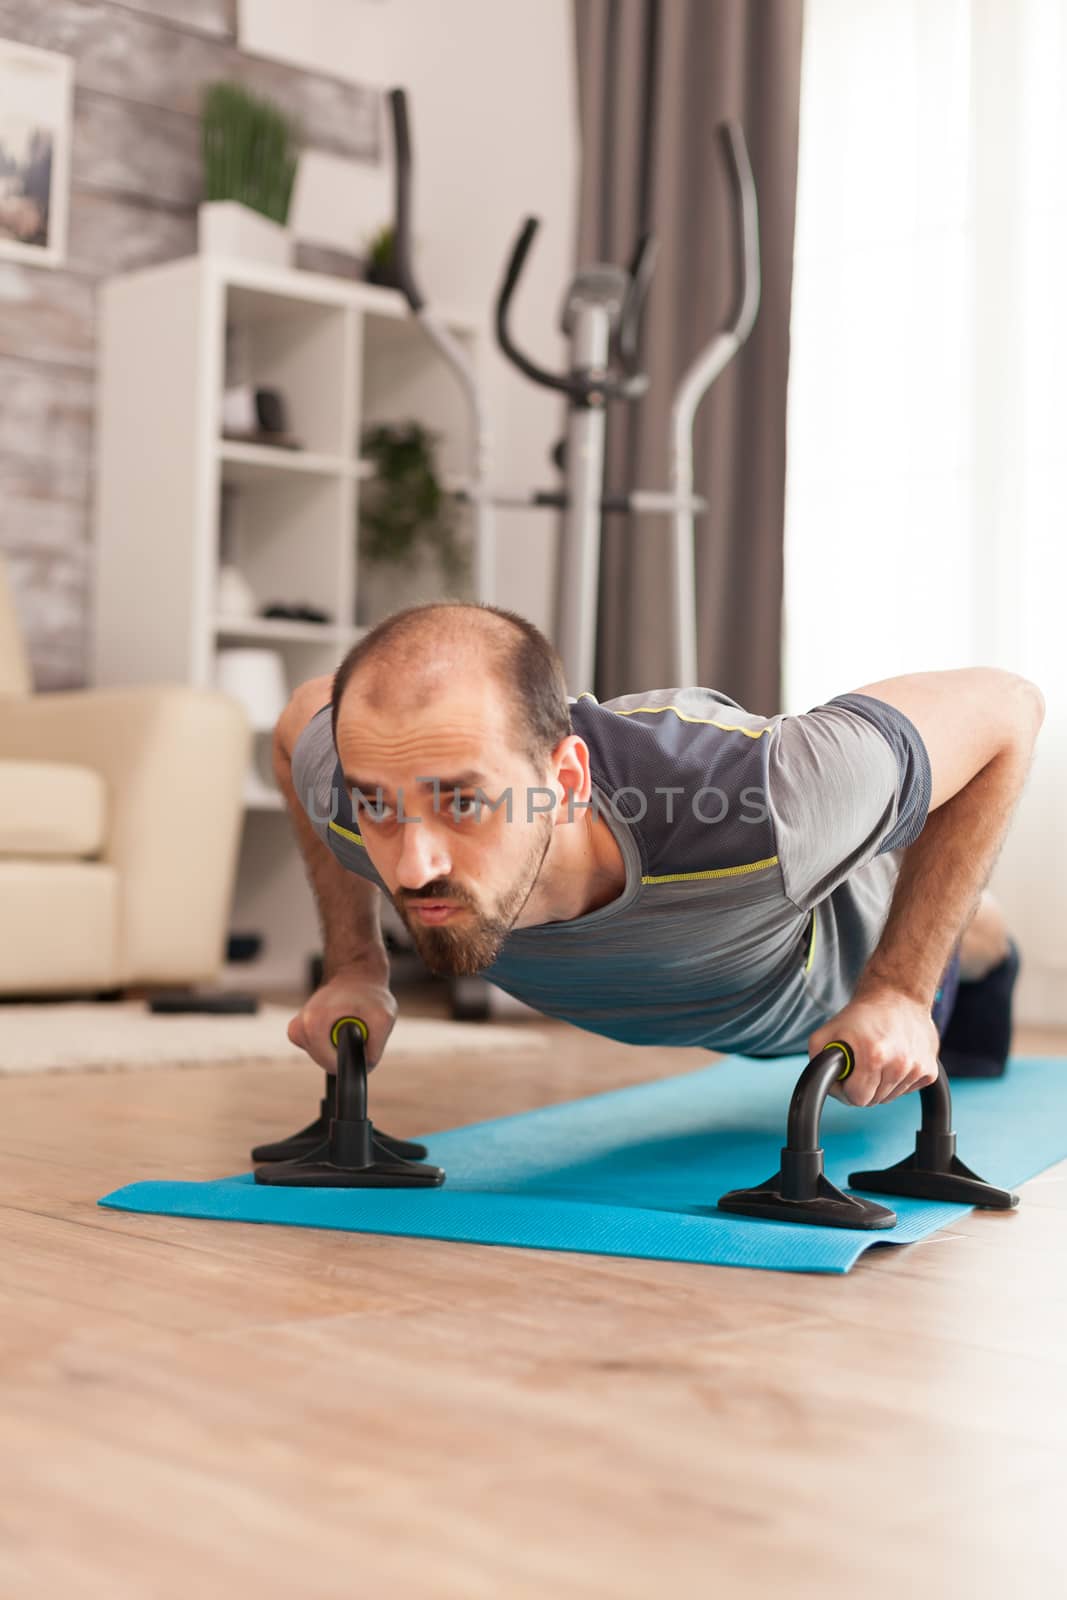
343	355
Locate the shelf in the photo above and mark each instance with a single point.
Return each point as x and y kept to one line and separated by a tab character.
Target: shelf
260	463
260	293
345	356
279	628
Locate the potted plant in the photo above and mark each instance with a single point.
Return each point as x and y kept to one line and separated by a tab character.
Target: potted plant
380	267
249	155
409	544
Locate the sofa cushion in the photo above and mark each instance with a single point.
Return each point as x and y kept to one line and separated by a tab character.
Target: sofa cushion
59	927
51	808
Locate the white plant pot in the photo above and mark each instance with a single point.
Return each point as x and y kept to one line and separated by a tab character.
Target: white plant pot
228	228
386	586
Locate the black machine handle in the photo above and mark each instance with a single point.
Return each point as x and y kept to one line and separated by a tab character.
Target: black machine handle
630	383
548	380
405	275
642	266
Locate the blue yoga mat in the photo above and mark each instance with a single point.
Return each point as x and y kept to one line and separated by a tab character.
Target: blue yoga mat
637	1172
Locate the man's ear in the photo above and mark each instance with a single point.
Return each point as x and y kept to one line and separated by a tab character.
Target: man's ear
570	767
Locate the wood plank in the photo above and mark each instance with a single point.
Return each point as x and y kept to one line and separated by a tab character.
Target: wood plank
59	479
111	233
45	504
46	410
135	56
50	587
136	150
215	17
47	316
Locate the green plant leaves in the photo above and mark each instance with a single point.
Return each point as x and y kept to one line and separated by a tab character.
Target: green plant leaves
404	506
248	150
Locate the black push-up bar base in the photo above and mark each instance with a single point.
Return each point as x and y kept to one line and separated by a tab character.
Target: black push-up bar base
353	1154
800	1191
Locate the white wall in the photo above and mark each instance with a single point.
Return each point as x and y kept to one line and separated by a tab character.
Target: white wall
492	95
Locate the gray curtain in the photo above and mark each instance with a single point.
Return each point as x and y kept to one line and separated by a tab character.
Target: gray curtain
655	79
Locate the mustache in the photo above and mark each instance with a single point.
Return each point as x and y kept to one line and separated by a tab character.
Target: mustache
434	891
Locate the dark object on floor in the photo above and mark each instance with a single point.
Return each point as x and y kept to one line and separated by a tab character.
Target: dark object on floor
407	969
800	1191
353	1155
243	946
177	1002
278	609
977	1039
470	999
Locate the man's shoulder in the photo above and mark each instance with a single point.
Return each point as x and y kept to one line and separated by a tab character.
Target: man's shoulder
688	730
686	768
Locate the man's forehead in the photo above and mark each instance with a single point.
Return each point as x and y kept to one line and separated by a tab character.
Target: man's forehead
446	736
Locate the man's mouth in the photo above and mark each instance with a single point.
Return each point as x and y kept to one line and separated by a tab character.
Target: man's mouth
432	911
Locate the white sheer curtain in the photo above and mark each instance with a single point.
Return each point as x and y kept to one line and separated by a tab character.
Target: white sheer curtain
926	497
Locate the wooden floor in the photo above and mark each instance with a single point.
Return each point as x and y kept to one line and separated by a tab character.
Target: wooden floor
202	1409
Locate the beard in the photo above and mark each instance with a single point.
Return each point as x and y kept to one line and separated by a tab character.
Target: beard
461	952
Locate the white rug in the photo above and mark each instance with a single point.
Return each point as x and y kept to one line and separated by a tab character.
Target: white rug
77	1036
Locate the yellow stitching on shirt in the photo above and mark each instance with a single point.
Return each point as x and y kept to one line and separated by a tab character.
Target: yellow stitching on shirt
707	722
348	834
714	872
811	948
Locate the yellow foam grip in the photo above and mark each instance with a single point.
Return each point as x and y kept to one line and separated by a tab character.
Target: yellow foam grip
335	1031
850	1060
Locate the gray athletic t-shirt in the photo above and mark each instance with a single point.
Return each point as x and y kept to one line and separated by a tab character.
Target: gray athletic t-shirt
761	856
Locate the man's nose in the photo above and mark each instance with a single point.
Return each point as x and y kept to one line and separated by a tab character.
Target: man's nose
423	856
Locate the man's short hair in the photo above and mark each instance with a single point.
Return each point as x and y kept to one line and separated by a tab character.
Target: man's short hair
523	661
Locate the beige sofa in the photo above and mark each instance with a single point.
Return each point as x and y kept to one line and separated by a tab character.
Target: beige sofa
120	817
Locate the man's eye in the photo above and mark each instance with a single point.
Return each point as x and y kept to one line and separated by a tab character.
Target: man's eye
466	806
376	810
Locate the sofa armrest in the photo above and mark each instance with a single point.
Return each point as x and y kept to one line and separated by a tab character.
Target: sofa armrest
174	761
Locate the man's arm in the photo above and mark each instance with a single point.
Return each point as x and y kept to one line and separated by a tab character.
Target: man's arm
979	726
356	965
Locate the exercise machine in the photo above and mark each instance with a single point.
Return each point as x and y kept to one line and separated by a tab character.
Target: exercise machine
601	317
800	1191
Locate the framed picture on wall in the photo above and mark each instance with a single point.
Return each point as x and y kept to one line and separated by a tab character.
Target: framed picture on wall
35	116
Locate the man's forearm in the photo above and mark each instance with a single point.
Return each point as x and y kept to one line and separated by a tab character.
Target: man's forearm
942	876
349	906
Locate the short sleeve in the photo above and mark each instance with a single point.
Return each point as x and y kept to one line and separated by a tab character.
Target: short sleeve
312	769
846	781
320	789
